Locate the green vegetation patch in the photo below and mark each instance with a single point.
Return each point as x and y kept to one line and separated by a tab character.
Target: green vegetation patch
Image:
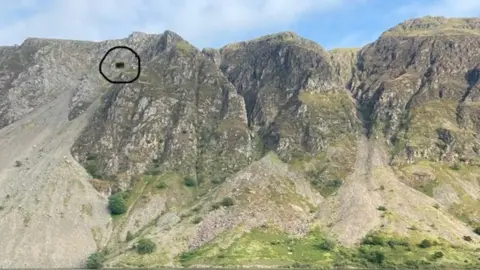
185	48
270	247
438	174
328	170
429	25
117	203
96	259
145	246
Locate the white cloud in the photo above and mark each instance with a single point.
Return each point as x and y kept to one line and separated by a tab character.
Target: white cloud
201	21
447	8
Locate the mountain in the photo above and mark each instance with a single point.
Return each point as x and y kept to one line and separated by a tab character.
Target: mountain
272	152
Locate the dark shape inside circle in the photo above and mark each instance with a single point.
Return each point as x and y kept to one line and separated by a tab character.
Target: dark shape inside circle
116	65
119	65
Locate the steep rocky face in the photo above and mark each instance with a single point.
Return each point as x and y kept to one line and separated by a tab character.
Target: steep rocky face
418	84
181	115
296	98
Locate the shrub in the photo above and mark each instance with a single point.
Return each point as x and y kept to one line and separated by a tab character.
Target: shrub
186	256
227	202
327	244
425	243
96	260
374	240
162	185
117	204
93	166
129	236
189	181
477	230
438	255
197	220
145	246
215	206
467	238
335	183
18	163
392	243
381	208
376	257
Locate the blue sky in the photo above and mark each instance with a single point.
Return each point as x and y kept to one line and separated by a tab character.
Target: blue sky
213	23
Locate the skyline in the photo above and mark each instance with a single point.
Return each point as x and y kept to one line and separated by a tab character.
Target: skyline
215	23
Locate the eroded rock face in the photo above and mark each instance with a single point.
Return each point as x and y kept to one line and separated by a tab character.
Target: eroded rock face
182	115
418	79
284	80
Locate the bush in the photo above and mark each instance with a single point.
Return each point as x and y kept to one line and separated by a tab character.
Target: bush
392	243
382	208
197	220
467	238
327	244
376	257
96	260
117	204
129	236
186	256
215	206
18	163
373	240
335	183
438	255
93	166
477	230
227	202
425	243
162	185
189	181
145	246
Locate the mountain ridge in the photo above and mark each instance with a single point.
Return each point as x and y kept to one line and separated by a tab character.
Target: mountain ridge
252	146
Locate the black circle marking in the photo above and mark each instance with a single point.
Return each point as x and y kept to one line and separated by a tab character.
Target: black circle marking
124	48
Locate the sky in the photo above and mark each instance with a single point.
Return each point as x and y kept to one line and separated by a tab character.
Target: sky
214	23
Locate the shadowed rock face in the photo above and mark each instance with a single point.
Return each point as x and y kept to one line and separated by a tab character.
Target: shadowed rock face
220	118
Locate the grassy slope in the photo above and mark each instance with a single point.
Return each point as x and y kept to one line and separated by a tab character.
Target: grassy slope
454	185
270	247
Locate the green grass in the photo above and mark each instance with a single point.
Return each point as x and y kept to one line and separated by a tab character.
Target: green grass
428	188
436	26
185	48
288	38
467	209
271	247
148	185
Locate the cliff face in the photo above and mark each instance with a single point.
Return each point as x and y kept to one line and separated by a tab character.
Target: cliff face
182	115
296	136
418	86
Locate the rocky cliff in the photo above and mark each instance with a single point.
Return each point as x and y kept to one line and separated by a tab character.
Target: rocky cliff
268	152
